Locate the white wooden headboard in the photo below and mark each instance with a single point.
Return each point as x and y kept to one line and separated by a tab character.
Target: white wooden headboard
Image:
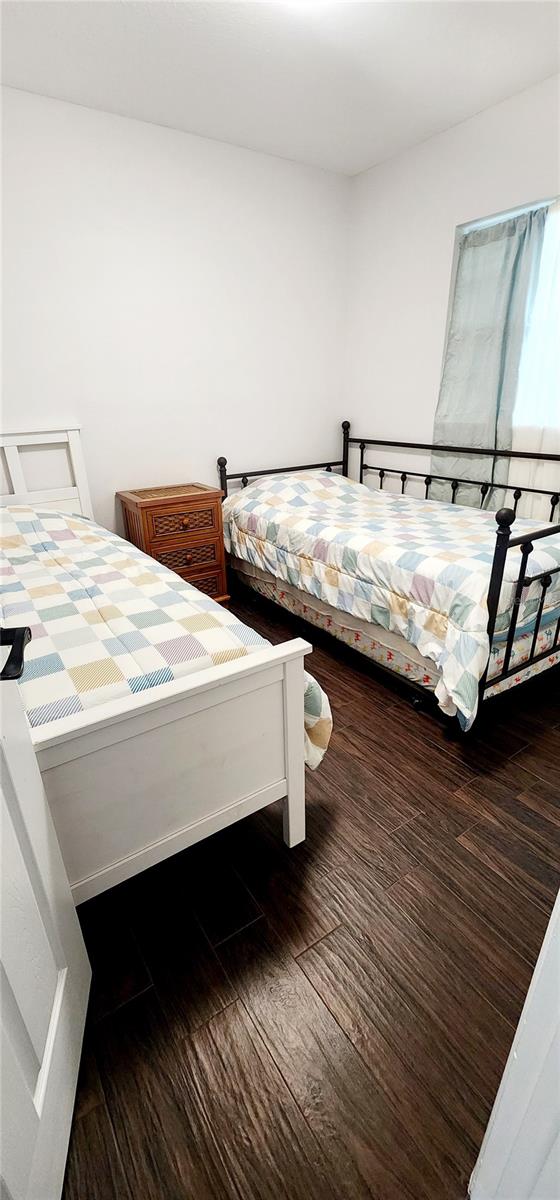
69	499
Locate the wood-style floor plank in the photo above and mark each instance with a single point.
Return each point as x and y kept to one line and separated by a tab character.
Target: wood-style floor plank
488	742
407	742
497	901
248	1117
457	934
542	756
405	1054
427	979
190	982
332	1020
322	848
529	712
519	801
350	772
359	834
144	1066
119	972
495	969
221	911
94	1170
287	885
368	1156
89	1091
534	870
433	791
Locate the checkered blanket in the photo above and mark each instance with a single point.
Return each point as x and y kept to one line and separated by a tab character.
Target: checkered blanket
420	568
108	621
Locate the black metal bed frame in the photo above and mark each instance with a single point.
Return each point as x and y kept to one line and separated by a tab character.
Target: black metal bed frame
505	518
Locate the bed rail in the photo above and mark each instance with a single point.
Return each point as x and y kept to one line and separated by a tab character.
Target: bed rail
455	482
505	542
484	486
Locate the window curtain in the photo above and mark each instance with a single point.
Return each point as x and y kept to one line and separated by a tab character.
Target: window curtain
536	414
496	274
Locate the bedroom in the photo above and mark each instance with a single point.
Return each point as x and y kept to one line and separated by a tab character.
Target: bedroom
228	228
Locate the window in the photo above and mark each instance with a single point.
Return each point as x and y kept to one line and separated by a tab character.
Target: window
500	383
538	389
536	415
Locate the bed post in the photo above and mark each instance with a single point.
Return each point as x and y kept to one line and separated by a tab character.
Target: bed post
222	464
504	518
362	453
345	446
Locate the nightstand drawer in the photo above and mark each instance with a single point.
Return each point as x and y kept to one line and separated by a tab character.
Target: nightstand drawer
210	582
163	524
188	558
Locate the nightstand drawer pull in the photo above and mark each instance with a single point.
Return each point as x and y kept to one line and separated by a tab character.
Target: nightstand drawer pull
168	523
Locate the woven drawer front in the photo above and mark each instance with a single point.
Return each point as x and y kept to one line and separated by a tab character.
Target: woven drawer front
208	583
183	557
166	523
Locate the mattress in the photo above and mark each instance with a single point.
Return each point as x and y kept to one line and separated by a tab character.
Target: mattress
107	621
416	568
388	649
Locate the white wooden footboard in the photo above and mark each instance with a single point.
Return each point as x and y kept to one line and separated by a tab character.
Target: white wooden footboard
156	772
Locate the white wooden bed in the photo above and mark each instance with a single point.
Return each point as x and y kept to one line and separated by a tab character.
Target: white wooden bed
132	781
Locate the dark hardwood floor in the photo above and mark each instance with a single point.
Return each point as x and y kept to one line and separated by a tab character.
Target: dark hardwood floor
330	1022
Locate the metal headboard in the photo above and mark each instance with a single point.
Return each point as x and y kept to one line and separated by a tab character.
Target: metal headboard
245	476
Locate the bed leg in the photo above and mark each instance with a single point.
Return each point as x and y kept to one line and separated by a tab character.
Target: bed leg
294	803
294	818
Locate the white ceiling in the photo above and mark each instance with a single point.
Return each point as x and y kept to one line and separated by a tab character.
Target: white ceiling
338	85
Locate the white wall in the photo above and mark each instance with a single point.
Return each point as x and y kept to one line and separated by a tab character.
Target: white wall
177	297
181	298
404	215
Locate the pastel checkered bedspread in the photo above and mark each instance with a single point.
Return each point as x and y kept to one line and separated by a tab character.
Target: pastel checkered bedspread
108	621
418	567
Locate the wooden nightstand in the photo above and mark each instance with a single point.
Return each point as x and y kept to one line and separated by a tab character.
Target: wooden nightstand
182	527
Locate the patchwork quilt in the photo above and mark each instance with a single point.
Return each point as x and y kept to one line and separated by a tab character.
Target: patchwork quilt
418	567
108	621
403	661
